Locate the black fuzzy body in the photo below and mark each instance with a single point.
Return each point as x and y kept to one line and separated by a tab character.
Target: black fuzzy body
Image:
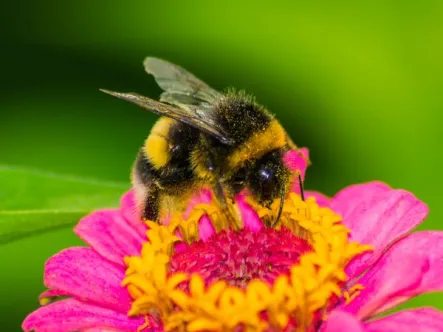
198	160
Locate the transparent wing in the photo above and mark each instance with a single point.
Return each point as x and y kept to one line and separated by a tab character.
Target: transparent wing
201	118
176	81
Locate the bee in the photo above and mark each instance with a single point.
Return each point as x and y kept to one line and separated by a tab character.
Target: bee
226	142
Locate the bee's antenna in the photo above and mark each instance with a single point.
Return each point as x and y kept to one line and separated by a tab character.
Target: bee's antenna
282	202
302	191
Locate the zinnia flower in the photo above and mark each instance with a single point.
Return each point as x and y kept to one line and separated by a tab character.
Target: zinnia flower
328	264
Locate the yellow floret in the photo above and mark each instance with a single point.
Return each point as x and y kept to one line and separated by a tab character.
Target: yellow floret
311	284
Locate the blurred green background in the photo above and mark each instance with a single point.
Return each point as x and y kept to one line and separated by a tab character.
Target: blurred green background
359	84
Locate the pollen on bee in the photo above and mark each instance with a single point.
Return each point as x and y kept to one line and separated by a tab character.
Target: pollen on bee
272	137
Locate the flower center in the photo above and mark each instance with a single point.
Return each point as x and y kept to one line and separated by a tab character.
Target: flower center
239	257
286	276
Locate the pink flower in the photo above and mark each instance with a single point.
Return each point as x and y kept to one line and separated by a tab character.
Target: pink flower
205	272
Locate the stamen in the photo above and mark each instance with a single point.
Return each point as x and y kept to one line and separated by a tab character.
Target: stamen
145	325
220	220
353	292
239	257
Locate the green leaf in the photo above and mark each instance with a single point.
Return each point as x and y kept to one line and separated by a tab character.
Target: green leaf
32	202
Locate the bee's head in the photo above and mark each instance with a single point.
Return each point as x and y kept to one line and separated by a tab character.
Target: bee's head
267	177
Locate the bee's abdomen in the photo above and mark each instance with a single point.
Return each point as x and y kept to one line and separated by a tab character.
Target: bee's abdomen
157	144
144	172
165	156
163	167
145	184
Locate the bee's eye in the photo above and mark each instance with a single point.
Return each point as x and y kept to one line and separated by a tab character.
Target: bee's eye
266	174
267	178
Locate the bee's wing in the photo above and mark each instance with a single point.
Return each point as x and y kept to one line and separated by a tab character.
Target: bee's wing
179	83
201	118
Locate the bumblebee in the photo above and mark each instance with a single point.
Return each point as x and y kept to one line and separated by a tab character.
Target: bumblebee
206	139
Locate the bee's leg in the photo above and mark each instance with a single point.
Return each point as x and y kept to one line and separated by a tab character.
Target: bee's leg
228	211
302	191
152	203
219	194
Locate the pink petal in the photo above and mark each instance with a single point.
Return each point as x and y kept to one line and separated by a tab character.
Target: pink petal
380	220
386	281
108	233
320	198
250	218
203	196
339	321
100	329
84	274
205	227
413	265
131	214
350	198
51	294
73	315
297	161
414	320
